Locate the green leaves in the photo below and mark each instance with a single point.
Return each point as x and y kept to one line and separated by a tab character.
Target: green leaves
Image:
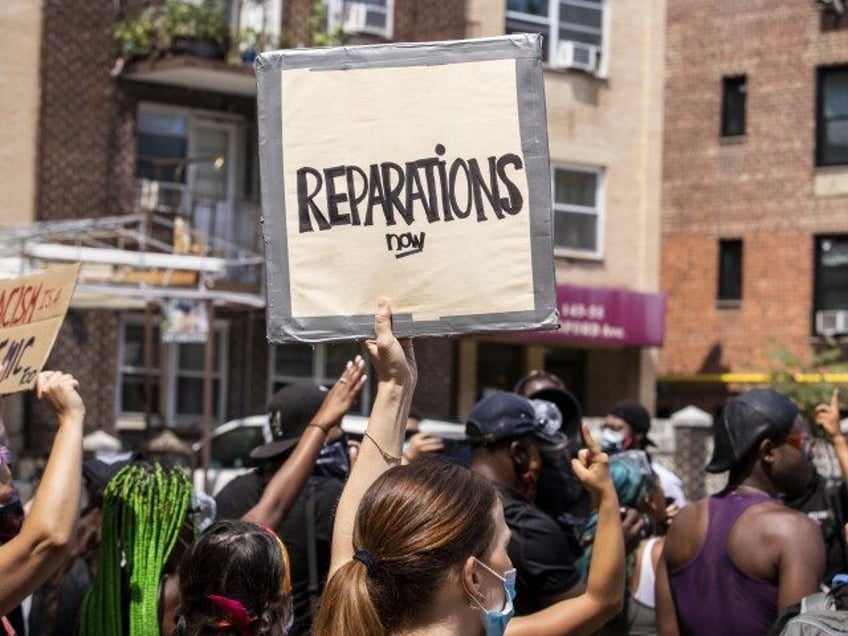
807	383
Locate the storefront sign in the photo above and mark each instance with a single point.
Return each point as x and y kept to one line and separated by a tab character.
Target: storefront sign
32	309
610	316
418	172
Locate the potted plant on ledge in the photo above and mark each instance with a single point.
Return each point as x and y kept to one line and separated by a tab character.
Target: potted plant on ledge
178	27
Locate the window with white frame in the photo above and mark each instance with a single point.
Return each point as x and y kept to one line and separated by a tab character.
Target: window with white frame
372	17
579	22
322	364
578	217
183	374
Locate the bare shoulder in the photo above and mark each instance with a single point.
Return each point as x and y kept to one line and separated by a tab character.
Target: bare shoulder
686	534
771	523
786	523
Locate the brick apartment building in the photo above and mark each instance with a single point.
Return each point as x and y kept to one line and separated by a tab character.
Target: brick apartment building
175	136
755	190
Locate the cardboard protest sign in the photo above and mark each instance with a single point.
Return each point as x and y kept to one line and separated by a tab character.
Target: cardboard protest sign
418	172
32	309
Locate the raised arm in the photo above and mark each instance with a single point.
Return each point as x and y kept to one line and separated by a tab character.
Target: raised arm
827	417
31	557
604	594
285	486
382	442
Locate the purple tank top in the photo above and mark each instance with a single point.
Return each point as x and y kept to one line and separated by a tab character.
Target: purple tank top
711	594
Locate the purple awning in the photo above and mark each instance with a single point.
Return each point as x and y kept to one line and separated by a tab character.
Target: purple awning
607	317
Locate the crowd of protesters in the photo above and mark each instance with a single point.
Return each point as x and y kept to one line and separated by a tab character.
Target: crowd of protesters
543	531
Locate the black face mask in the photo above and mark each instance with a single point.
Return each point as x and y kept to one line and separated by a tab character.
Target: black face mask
333	460
558	491
11	519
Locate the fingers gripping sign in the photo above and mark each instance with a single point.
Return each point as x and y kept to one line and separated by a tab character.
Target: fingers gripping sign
60	391
393	359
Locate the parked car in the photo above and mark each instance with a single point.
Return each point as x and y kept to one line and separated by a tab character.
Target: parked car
233	441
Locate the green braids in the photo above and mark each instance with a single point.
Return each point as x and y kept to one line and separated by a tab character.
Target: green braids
144	508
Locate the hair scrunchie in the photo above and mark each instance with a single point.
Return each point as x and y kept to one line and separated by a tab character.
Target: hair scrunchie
239	618
368	560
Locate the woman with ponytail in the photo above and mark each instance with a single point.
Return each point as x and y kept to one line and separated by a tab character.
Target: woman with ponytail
422	548
415	525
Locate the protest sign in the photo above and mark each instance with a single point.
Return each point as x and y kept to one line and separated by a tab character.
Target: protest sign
184	321
418	172
32	309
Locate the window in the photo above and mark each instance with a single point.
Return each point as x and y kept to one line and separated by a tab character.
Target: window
183	374
730	271
832	117
559	21
162	142
831	272
189	164
372	17
321	364
734	90
577	210
830	288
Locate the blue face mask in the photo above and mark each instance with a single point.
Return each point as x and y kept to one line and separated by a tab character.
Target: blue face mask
494	622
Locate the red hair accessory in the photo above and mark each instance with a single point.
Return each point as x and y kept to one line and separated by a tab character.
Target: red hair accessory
238	615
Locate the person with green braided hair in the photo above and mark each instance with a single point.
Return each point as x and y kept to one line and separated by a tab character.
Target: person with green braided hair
145	516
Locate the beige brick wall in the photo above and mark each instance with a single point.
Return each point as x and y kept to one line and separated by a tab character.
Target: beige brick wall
20	23
616	123
762	189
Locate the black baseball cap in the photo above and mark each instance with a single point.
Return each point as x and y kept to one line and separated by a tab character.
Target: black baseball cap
507	416
747	419
289	413
636	416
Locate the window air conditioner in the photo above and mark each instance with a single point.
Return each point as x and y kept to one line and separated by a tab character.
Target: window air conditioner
832	322
356	14
577	55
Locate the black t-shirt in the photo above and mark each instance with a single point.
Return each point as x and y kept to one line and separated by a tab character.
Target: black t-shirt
241	494
827	506
539	552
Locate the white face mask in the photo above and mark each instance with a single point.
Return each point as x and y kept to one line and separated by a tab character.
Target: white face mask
612	441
